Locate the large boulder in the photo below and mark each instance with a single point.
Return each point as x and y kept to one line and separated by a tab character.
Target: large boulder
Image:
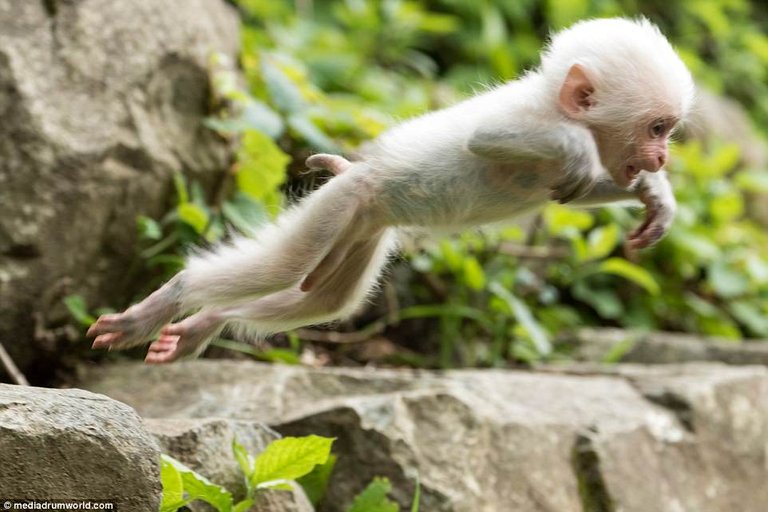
101	102
75	445
629	438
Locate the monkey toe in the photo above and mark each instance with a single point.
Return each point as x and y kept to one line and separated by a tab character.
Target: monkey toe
173	329
105	324
164	350
106	340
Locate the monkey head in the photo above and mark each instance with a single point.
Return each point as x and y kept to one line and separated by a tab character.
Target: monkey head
624	81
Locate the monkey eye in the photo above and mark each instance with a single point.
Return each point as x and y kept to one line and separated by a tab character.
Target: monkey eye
658	128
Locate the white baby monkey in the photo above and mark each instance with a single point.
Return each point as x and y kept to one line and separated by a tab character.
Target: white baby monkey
589	126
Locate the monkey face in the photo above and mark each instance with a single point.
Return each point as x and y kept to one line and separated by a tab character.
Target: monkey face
643	147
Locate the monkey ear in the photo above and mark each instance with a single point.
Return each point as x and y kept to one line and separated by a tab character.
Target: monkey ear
577	92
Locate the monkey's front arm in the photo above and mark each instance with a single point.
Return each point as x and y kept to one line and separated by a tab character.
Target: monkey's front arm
653	190
573	151
570	147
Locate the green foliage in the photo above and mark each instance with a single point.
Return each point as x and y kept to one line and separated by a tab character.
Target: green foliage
288	459
315	483
332	74
374	498
306	460
283	461
181	486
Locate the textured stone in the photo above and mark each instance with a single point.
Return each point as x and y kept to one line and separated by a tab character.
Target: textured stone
75	445
664	347
629	438
101	101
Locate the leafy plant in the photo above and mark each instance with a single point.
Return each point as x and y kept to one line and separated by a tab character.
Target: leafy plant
306	461
283	461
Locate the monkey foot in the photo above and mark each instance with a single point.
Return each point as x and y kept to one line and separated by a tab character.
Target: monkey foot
137	324
183	338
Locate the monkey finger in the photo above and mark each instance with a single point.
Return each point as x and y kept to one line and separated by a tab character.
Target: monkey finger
647	237
639	229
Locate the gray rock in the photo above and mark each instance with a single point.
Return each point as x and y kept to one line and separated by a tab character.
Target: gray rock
101	101
578	438
663	347
75	445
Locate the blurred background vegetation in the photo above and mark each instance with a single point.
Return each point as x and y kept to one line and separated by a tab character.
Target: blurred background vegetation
326	75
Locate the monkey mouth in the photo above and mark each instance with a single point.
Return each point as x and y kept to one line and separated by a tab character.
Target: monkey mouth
630	173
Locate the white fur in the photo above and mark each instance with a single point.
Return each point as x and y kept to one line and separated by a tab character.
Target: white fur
489	158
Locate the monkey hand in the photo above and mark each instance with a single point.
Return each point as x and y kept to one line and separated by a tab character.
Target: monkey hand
655	191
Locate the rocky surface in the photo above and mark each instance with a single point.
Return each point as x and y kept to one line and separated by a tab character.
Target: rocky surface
101	102
662	347
75	445
630	438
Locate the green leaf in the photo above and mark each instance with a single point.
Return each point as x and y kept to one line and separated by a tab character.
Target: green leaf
447	310
275	355
194	216
726	281
243	506
374	498
180	183
244	213
605	301
751	315
259	116
564	221
562	13
173	487
752	180
196	486
261	168
619	350
416	497
315	483
78	309
279	355
602	241
280	485
255	115
307	130
244	459
525	318
290	458
473	272
283	91
148	228
631	272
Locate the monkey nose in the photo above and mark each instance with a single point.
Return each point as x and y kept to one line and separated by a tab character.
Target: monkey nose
654	164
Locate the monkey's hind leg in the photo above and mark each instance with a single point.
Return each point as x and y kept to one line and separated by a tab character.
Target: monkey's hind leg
277	258
336	296
140	322
280	255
